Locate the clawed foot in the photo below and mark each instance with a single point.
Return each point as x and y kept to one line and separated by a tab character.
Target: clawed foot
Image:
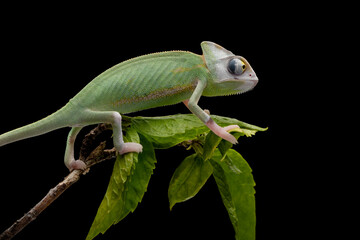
224	134
127	147
77	165
222	131
131	147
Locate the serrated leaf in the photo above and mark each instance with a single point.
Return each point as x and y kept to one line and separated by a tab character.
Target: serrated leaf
187	180
225	121
168	131
246	132
121	197
224	145
237	192
212	141
127	161
139	181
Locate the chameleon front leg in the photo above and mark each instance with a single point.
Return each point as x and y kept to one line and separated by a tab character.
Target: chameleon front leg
193	106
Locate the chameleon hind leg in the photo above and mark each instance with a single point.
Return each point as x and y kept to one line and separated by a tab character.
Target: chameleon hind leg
114	118
94	117
69	158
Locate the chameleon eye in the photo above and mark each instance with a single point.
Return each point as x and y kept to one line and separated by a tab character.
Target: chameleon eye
236	66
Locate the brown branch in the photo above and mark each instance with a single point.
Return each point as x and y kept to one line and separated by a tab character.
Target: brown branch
90	154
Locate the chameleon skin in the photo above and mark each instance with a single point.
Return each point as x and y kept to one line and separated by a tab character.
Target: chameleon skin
145	82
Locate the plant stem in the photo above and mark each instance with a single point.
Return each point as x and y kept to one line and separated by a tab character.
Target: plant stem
52	195
95	156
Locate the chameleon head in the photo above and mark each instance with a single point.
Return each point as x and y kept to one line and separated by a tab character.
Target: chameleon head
230	74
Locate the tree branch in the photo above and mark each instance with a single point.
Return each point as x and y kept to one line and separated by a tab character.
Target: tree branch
91	153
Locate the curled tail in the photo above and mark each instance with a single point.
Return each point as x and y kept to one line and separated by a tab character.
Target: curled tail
52	122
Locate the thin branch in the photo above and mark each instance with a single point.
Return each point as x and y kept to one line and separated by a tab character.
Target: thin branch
90	154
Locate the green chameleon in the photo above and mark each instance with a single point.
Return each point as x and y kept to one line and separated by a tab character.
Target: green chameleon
145	82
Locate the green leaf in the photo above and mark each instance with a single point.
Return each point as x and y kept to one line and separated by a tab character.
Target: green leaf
189	177
132	172
237	191
122	197
168	131
225	121
127	161
212	141
224	145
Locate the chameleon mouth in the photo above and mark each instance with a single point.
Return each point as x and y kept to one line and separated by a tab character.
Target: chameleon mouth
247	84
254	83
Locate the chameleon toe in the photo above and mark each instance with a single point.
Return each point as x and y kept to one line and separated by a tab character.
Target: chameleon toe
131	147
77	165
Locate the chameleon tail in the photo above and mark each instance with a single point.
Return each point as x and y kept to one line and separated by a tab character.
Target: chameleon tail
52	122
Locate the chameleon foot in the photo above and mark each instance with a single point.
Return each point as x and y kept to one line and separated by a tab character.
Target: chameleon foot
78	164
131	147
222	131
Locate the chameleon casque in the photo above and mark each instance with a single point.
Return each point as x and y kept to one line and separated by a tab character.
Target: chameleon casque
145	82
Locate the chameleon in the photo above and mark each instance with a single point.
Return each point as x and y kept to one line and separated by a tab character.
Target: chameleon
144	82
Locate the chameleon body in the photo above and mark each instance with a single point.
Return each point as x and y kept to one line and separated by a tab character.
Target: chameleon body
145	82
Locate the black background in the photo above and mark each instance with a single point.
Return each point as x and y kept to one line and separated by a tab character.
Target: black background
49	56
